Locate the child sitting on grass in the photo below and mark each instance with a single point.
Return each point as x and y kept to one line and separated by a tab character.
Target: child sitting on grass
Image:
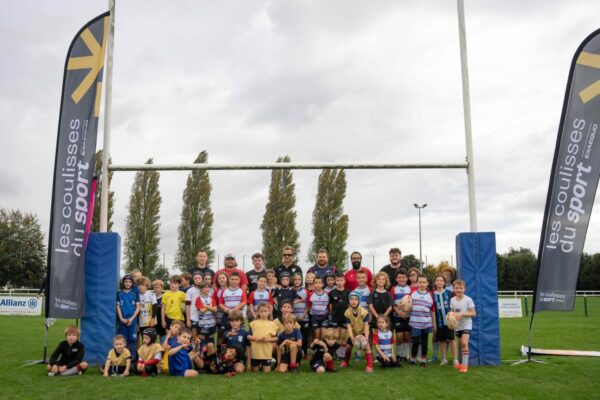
149	353
118	362
67	359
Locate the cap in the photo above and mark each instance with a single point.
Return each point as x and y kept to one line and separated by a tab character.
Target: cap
355	294
284	274
229	255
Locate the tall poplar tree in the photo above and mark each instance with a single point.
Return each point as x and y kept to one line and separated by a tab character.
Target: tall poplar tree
279	221
111	195
195	228
330	224
142	226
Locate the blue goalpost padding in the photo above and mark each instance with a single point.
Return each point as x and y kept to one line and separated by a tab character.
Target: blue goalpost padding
102	265
476	262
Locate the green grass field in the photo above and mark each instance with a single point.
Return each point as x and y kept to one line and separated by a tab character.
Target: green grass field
562	378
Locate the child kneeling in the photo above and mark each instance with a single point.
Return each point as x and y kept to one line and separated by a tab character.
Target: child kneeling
67	359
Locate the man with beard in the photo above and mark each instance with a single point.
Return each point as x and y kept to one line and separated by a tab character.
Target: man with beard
322	267
289	256
202	265
351	282
230	266
392	268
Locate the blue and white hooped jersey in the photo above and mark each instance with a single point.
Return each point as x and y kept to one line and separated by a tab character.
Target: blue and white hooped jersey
232	297
422	305
364	296
300	307
319	304
398	292
206	319
385	341
259	297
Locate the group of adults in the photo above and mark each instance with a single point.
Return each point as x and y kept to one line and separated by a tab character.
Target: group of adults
322	267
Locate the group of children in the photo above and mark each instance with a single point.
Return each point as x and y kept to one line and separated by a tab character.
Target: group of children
204	330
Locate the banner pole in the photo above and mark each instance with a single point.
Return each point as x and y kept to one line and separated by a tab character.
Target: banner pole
464	67
107	115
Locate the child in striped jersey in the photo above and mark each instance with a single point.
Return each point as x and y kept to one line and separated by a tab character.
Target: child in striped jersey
445	335
422	320
363	289
232	298
383	339
400	316
301	310
318	306
258	296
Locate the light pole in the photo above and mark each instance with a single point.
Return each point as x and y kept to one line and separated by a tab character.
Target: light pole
418	207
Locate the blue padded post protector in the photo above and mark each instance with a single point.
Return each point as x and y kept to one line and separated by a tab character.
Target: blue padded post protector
102	264
476	262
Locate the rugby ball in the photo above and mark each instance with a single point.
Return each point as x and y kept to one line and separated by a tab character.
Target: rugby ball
451	320
360	342
406	303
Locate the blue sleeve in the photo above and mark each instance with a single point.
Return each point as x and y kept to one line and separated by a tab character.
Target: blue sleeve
366	318
280	339
298	334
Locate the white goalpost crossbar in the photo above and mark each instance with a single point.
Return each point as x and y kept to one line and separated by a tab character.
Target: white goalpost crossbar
468	165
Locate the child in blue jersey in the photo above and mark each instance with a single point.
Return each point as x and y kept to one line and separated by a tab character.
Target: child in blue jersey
422	320
444	335
237	337
400	316
318	306
128	308
181	355
363	289
383	339
289	345
169	341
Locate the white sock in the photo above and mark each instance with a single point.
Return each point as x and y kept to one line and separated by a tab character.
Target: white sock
70	371
465	359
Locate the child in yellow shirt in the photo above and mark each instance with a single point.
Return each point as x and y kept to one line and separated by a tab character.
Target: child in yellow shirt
262	335
173	300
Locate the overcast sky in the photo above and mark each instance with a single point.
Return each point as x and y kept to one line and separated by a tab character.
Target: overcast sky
344	81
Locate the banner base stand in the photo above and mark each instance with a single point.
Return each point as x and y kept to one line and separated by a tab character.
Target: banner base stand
526	351
47	324
554	352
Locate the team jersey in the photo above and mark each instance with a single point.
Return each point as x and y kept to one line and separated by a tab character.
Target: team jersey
283	294
232	298
319	351
339	303
357	321
398	292
190	299
172	302
380	301
218	364
300	306
322	272
328	289
442	306
464	304
67	354
262	328
294	336
318	304
119	359
238	338
258	296
365	292
205	319
252	277
180	361
147	302
422	306
385	341
127	301
149	352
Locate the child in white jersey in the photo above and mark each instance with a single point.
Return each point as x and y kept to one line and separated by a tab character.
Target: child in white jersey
464	308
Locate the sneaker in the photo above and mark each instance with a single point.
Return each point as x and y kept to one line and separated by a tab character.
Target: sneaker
463	369
444	363
457	365
343	364
433	359
369	369
412	362
423	364
51	373
293	370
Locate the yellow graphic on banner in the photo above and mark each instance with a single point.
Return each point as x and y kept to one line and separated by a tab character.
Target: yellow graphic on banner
589	60
94	63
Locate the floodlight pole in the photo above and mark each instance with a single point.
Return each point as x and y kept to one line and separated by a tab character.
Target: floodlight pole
467	114
107	115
